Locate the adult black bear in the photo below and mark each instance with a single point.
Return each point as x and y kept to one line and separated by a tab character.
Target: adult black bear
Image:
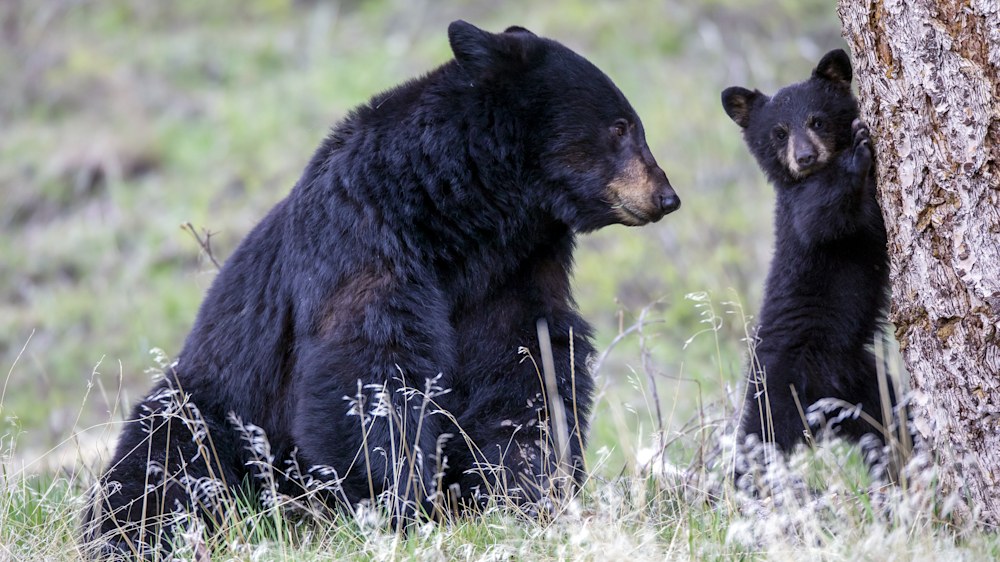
371	325
827	285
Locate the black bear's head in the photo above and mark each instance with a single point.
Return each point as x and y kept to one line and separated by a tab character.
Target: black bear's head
798	130
583	148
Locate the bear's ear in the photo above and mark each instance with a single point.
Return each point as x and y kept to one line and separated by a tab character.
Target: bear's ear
835	66
474	48
480	53
739	103
518	29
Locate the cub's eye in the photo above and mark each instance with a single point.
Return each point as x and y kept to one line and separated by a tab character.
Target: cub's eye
818	124
780	134
620	128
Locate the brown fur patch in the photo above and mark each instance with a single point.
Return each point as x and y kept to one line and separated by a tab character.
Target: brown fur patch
347	302
632	194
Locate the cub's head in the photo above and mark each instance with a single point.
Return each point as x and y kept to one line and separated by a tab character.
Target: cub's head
581	146
800	129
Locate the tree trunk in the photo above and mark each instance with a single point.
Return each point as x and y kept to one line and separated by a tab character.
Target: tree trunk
928	75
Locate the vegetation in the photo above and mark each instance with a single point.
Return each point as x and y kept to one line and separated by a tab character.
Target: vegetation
124	119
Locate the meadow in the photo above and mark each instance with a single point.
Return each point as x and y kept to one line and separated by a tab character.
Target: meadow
121	121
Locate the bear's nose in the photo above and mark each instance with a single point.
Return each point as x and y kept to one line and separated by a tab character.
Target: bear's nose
669	201
805	159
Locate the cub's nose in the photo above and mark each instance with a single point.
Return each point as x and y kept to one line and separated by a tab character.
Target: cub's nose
805	159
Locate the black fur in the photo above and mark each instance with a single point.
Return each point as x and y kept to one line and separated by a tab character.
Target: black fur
429	232
827	286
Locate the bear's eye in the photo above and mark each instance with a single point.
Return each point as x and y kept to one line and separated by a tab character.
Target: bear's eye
818	124
780	133
620	128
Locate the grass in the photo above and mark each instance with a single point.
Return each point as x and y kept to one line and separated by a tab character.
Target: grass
123	119
656	494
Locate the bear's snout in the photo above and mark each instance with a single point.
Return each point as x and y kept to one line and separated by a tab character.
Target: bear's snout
641	193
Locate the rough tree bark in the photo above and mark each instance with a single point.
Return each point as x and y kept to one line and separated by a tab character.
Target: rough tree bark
928	75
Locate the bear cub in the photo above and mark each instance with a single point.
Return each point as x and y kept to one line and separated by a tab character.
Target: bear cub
375	325
827	286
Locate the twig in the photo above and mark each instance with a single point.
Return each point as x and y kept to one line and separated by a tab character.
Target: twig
621	336
206	243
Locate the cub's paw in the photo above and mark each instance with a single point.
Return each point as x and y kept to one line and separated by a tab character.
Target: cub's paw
862	147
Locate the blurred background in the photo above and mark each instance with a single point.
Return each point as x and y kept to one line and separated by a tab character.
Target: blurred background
121	120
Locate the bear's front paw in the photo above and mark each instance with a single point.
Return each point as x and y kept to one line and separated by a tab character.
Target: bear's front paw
862	147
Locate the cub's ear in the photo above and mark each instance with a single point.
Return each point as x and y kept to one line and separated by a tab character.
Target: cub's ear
739	103
835	66
480	53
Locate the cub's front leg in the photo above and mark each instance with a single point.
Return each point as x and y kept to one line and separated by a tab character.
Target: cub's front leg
839	201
